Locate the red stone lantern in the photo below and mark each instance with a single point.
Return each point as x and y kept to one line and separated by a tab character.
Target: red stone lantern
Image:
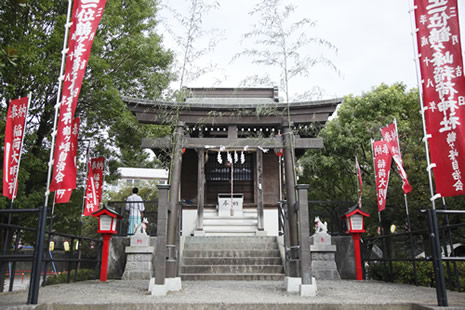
355	220
107	220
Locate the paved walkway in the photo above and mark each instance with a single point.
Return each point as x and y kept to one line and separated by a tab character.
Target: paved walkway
344	294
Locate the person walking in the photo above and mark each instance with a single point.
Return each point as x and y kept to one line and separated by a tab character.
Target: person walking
136	208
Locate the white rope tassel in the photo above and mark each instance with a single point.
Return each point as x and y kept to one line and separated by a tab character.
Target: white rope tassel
219	158
229	157
236	157
242	158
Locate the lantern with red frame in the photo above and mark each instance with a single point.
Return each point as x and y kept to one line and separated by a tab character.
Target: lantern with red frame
107	220
279	152
355	220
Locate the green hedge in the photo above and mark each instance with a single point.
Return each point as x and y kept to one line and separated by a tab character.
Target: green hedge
402	272
83	275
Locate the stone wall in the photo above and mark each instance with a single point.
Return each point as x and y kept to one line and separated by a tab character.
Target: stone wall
117	256
345	259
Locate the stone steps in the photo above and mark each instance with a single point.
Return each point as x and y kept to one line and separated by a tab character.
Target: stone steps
238	225
231	269
231	246
225	253
231	258
233	277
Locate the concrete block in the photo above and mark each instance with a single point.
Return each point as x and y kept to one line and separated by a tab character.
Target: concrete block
151	283
320	239
261	233
199	233
139	249
140	239
159	290
173	284
292	284
308	289
323	248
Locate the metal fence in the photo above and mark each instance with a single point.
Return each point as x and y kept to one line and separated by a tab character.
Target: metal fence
37	258
419	256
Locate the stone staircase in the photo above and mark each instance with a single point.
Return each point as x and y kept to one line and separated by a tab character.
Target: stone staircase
239	225
231	258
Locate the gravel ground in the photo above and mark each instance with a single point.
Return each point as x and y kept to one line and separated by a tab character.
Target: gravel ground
343	292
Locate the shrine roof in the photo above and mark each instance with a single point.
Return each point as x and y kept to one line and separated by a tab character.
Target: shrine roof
231	106
229	103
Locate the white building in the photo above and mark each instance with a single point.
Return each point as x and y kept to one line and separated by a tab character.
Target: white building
138	177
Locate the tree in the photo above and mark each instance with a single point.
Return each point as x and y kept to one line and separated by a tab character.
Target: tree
127	58
186	29
284	44
330	171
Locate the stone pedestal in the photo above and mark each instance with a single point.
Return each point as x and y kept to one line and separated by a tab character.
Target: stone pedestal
323	257
138	258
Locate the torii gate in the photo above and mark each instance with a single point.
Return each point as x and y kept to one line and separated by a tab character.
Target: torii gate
230	112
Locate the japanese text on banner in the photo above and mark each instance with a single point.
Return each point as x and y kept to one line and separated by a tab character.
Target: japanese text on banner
443	85
390	135
85	19
14	131
382	161
94	185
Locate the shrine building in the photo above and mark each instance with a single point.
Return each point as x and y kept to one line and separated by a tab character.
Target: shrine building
228	168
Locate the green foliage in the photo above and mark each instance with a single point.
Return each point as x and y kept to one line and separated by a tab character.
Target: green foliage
127	58
330	171
148	192
402	272
83	275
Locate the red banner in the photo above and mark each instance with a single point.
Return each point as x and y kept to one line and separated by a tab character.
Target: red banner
85	19
94	185
391	137
443	84
382	161
14	131
63	195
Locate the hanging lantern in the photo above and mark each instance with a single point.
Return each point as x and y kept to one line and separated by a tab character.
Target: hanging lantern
183	150
279	152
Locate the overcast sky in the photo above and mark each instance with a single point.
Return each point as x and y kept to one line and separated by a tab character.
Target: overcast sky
373	38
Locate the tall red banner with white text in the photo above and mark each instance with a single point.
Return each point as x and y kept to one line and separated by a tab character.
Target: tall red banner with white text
382	161
443	84
14	131
391	137
94	185
63	195
85	19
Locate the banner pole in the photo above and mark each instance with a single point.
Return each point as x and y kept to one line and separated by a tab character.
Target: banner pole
78	266
58	101
426	136
374	170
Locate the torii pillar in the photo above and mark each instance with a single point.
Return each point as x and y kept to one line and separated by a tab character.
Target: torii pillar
289	169
171	262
